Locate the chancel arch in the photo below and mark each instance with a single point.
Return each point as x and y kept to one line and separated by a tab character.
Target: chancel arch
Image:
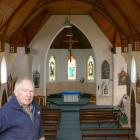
71	68
92	33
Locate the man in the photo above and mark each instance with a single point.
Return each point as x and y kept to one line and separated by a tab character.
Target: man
20	116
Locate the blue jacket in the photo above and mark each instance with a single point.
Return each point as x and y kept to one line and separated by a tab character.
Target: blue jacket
16	124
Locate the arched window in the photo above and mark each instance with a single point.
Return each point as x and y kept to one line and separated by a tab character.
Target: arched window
3	70
52	69
90	68
105	70
72	68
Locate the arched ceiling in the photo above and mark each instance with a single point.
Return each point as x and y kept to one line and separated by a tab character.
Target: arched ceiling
20	20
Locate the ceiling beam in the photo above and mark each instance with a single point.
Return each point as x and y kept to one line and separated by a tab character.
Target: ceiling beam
117	18
7	23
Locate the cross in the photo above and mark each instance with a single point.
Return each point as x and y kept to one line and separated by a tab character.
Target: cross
70	42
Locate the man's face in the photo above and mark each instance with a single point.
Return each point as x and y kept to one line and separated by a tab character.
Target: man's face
25	92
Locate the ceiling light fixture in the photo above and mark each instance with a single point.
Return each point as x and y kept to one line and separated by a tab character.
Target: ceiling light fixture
67	23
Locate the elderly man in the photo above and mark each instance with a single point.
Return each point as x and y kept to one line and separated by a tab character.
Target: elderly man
20	116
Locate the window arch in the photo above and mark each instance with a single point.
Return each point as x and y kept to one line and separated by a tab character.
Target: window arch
90	68
3	70
52	69
71	68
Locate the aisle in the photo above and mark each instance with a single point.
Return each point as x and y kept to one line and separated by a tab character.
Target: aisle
69	127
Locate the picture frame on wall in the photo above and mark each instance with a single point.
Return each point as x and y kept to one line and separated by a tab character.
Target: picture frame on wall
123	78
105	87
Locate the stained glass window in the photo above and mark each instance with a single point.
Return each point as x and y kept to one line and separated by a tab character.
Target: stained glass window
52	69
105	70
90	68
71	68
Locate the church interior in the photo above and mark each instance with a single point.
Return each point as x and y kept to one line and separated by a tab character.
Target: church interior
83	56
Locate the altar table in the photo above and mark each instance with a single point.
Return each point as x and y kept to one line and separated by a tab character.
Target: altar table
71	95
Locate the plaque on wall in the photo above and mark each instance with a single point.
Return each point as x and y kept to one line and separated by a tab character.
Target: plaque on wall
105	88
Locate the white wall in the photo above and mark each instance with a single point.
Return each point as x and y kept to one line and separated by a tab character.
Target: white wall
118	65
22	66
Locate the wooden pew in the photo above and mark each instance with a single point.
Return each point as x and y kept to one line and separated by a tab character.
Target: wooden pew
50	122
100	110
95	116
50	131
51	115
106	132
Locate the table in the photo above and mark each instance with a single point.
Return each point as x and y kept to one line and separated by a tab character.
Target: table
71	95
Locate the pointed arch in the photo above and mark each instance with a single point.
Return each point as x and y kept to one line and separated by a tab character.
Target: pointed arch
71	68
105	70
52	69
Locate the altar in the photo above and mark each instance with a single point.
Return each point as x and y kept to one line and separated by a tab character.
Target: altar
71	95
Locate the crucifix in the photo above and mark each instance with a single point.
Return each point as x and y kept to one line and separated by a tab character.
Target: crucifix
70	42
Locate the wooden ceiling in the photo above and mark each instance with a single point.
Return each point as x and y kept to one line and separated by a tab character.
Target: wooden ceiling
20	20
